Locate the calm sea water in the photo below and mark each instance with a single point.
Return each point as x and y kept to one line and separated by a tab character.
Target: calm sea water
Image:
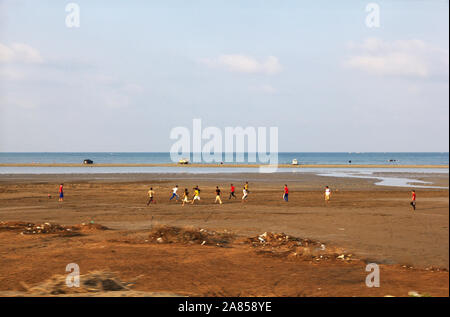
303	158
283	158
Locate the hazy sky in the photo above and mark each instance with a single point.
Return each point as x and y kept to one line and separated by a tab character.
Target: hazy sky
134	70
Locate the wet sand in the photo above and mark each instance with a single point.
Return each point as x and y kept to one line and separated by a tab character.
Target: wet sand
373	222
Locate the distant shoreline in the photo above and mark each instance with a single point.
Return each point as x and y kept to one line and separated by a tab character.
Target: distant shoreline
209	165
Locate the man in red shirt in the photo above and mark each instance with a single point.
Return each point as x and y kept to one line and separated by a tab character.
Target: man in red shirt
286	193
61	192
413	200
232	190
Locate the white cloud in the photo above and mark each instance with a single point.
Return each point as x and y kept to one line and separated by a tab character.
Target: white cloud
22	66
410	58
19	53
244	64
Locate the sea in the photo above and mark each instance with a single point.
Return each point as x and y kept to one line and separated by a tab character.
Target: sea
309	158
380	175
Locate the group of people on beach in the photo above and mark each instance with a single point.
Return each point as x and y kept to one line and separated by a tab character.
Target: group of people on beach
196	195
245	192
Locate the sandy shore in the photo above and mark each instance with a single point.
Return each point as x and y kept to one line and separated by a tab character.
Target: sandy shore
219	165
374	223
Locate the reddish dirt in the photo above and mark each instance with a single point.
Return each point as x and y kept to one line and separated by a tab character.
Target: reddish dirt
371	223
191	269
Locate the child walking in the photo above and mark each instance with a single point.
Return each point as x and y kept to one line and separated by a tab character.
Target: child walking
151	195
327	194
413	200
286	193
61	192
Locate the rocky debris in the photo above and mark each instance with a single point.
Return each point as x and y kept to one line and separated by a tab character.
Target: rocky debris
87	227
170	234
49	228
436	269
281	239
14	225
417	294
282	245
96	281
407	267
345	257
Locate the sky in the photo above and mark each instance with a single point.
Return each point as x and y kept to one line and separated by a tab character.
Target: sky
134	70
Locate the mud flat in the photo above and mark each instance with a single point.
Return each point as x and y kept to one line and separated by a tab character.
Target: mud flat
374	224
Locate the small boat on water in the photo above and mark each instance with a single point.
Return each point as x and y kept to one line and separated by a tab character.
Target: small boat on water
294	162
183	161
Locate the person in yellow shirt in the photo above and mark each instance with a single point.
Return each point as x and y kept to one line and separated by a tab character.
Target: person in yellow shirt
151	195
196	194
186	197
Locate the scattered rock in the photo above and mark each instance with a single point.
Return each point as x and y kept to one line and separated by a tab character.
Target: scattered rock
282	245
169	234
49	228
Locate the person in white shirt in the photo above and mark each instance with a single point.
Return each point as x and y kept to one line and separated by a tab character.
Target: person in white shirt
174	193
327	194
245	194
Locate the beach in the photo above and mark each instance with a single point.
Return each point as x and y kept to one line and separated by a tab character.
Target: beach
375	224
237	154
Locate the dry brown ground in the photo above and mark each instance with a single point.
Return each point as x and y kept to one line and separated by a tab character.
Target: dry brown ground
375	223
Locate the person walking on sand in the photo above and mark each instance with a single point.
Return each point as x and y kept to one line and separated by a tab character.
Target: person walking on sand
218	196
245	194
246	187
186	197
327	194
286	193
232	190
174	193
151	195
413	200
196	195
61	192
